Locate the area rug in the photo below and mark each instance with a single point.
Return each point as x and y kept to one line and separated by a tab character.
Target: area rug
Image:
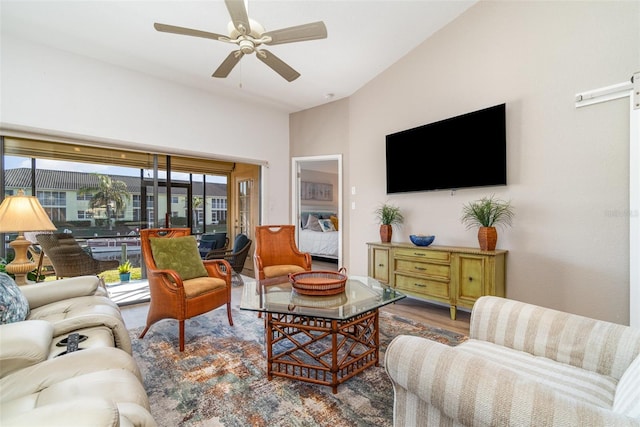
220	379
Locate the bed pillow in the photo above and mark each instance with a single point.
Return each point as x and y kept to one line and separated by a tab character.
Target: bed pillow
334	220
180	254
14	306
326	225
313	224
304	218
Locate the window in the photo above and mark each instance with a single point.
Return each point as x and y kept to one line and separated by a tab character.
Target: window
69	189
54	203
85	214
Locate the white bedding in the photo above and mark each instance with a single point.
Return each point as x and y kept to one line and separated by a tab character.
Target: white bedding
319	243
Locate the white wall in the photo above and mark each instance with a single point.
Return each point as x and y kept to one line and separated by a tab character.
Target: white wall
567	168
61	92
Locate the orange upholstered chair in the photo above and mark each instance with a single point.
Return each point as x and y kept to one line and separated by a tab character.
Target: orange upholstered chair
181	284
276	252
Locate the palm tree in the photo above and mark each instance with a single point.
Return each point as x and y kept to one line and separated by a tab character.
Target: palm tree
196	202
109	194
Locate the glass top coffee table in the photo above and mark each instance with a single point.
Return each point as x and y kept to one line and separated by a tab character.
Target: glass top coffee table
319	339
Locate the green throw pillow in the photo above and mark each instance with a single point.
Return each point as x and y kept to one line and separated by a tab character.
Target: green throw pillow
179	254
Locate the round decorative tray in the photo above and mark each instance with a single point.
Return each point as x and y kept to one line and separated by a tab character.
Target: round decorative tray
318	301
319	282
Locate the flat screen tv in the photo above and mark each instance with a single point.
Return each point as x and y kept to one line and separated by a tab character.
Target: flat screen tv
469	150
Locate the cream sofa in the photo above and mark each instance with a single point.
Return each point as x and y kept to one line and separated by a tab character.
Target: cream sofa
523	365
76	304
42	383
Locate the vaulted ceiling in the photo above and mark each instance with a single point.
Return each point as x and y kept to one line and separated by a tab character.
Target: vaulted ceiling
364	38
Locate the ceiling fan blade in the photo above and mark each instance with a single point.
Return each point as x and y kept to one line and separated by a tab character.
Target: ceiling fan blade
279	66
239	16
299	33
186	31
227	65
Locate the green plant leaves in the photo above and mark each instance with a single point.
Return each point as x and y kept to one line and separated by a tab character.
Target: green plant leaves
487	212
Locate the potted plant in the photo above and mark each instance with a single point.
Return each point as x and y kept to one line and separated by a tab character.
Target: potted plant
487	213
125	271
388	215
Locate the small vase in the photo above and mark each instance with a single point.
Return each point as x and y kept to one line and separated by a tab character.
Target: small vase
488	238
385	233
124	277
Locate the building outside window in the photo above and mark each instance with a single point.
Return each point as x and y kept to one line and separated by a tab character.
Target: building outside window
68	184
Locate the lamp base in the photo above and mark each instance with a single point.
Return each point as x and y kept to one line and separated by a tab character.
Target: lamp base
21	265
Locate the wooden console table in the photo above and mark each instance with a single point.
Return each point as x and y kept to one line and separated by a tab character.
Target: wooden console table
457	276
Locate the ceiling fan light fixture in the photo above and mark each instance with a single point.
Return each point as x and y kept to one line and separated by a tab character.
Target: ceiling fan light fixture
247	46
249	35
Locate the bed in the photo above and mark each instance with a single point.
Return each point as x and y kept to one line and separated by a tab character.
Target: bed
318	234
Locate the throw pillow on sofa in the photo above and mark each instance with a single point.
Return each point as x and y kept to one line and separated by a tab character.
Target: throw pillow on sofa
14	306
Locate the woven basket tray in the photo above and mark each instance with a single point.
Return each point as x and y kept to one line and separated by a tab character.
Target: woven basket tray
318	301
319	282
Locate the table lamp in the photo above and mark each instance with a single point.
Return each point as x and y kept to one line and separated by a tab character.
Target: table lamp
22	213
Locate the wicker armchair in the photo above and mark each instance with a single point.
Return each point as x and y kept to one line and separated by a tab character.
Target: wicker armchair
212	241
277	253
45	266
181	284
69	259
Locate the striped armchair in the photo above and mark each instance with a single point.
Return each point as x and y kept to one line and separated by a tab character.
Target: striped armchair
523	365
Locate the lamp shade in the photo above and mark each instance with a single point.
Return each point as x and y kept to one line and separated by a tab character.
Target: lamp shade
23	213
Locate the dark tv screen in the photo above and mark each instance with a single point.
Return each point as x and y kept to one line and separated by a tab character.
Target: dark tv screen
469	150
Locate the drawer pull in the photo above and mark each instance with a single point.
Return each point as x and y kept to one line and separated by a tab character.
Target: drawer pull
420	285
380	265
470	279
419	254
420	268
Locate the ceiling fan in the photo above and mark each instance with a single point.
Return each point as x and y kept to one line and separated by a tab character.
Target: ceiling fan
249	35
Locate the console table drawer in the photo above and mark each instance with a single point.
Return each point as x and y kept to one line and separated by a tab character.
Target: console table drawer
425	287
423	268
422	254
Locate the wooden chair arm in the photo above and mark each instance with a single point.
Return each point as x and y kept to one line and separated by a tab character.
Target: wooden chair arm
219	268
170	276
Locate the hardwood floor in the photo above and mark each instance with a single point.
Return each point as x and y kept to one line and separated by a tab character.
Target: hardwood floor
431	314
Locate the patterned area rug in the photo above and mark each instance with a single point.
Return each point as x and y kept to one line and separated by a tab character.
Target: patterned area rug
220	378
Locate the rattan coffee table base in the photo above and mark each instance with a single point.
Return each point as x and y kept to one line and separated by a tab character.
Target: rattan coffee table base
321	351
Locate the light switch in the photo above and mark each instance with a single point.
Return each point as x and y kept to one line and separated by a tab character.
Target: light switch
353	190
353	205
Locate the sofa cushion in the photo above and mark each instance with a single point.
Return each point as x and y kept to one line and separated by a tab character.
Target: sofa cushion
24	344
571	381
14	306
627	399
281	270
180	254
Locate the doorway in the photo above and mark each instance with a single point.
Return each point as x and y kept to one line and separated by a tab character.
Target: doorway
316	188
244	207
